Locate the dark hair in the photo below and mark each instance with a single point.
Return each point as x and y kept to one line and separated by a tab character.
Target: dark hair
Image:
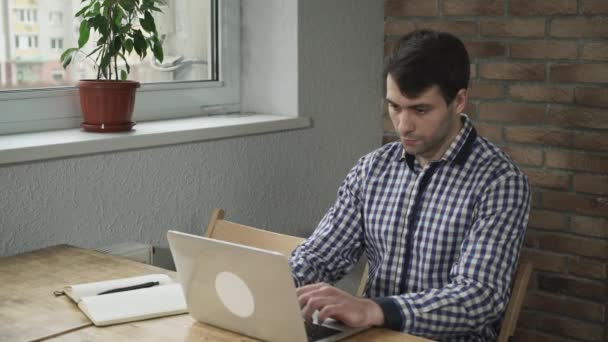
424	58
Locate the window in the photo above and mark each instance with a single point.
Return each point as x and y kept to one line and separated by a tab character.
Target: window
57	43
26	15
200	70
55	17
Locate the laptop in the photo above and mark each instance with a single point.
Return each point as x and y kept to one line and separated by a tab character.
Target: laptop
244	289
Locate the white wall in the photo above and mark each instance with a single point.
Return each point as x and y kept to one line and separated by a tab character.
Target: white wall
282	181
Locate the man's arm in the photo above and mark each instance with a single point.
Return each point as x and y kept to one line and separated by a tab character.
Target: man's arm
480	280
337	242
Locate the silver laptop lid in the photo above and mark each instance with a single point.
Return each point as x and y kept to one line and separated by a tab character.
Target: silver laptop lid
238	288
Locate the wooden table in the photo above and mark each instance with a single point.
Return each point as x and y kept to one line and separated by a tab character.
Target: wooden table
30	311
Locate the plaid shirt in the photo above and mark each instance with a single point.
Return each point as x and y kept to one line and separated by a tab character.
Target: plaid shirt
442	241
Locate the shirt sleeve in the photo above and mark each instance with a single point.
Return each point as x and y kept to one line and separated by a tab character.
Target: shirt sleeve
481	278
337	243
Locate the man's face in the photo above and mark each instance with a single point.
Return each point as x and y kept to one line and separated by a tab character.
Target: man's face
425	124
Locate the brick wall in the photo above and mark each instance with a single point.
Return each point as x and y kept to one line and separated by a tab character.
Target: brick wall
540	91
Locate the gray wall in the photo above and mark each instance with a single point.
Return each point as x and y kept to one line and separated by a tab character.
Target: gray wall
282	181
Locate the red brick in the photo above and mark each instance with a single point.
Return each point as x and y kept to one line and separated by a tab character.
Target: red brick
596	97
578	117
530	240
513	113
537	197
459	28
473	7
473	71
485	49
590	183
546	261
524	156
538	135
526	335
541	93
594	7
562	326
586	73
548	220
583	27
548	179
542	7
587	289
564	306
395	8
590	226
388	47
595	51
577	161
591	141
471	109
486	91
578	203
513	71
398	27
513	28
490	132
588	268
539	49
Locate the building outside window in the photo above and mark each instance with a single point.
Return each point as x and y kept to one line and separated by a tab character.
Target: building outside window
195	34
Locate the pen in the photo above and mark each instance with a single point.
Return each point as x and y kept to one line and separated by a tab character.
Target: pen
129	288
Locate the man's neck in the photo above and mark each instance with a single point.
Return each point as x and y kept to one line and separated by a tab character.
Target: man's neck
425	160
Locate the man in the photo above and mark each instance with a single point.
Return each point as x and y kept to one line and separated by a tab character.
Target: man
440	215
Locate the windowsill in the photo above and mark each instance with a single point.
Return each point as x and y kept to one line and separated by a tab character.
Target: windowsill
28	147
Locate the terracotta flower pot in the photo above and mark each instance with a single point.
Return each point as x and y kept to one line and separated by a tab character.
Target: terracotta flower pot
107	106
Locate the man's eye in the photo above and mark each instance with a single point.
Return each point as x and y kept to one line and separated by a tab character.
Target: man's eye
392	106
421	110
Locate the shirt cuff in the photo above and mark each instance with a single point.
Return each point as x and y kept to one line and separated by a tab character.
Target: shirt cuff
393	314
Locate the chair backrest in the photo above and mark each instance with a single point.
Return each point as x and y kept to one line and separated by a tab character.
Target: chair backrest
221	229
233	232
518	293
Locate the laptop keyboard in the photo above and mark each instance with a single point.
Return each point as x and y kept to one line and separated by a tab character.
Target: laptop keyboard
316	332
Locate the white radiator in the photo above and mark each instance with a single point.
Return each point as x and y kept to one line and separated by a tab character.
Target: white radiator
133	250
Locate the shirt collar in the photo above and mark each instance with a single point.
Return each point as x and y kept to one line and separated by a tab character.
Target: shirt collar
459	149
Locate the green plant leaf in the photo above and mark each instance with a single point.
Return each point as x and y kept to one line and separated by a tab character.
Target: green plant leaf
66	56
158	51
139	42
97	9
85	32
148	22
123	75
82	10
104	65
128	5
128	45
94	50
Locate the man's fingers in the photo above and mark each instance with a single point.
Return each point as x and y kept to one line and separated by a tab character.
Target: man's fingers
308	288
315	290
316	303
331	311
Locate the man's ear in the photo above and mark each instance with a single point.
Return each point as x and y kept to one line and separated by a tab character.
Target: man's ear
460	100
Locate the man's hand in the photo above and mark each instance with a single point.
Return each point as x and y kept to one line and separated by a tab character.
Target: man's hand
332	302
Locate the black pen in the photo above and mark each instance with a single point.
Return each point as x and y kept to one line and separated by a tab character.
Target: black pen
129	288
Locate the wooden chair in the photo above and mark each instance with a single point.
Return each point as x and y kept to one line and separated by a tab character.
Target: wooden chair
221	229
518	293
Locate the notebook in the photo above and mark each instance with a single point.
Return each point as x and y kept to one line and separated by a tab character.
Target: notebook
161	297
243	289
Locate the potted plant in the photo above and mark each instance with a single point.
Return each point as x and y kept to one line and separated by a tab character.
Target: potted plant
123	27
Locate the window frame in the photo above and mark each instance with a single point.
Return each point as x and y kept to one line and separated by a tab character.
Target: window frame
58	107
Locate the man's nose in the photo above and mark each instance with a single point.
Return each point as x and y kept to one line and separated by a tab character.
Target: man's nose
406	125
